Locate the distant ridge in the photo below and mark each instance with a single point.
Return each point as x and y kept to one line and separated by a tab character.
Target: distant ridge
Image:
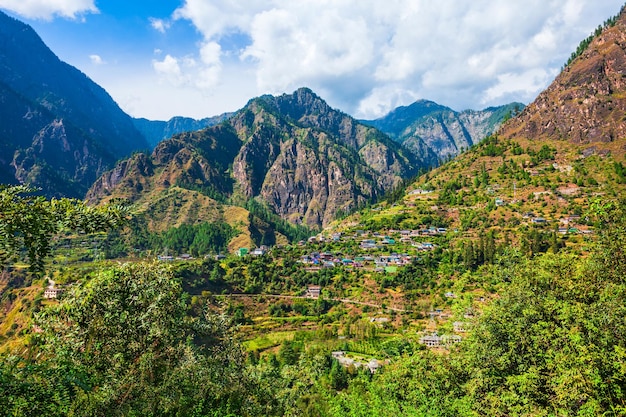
437	133
155	130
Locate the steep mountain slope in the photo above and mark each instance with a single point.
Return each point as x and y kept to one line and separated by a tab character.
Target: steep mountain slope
438	133
586	103
156	130
304	160
58	129
532	182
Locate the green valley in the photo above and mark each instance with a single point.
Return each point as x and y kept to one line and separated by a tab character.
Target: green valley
292	261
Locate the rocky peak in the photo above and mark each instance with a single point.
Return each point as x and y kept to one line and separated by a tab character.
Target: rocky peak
306	161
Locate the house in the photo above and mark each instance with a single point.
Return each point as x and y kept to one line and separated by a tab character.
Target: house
258	252
373	365
313	291
450	339
379	320
242	252
52	292
459	326
431	341
166	258
435	341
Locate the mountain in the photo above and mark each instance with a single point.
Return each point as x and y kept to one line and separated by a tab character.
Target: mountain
58	129
156	130
293	154
436	132
532	182
586	103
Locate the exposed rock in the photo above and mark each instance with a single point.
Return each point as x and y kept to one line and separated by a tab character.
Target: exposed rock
58	130
306	161
586	103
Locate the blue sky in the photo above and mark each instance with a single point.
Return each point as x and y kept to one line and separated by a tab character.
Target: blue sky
200	58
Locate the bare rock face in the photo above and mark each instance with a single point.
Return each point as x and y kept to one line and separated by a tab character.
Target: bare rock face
58	129
302	159
586	103
436	133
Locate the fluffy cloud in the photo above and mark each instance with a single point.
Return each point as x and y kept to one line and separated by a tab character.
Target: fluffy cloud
187	71
96	59
47	9
367	57
169	68
159	24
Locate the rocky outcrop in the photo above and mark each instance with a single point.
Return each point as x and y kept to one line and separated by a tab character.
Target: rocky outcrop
586	103
436	133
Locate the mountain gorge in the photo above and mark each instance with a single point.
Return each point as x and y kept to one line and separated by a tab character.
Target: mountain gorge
58	129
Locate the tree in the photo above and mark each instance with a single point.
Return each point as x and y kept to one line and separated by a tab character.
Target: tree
126	344
554	343
29	222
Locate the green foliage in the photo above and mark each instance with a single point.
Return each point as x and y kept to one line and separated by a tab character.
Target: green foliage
29	222
620	170
293	232
124	344
195	239
491	146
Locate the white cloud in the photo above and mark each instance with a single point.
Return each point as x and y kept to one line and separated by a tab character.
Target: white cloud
47	9
369	56
169	68
159	25
96	59
187	71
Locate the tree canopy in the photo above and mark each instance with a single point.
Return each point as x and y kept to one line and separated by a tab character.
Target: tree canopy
28	223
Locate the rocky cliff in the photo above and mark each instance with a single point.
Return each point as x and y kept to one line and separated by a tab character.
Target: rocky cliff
437	133
58	129
586	103
304	160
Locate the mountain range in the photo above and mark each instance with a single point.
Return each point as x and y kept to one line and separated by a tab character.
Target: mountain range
156	131
293	154
438	133
540	172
